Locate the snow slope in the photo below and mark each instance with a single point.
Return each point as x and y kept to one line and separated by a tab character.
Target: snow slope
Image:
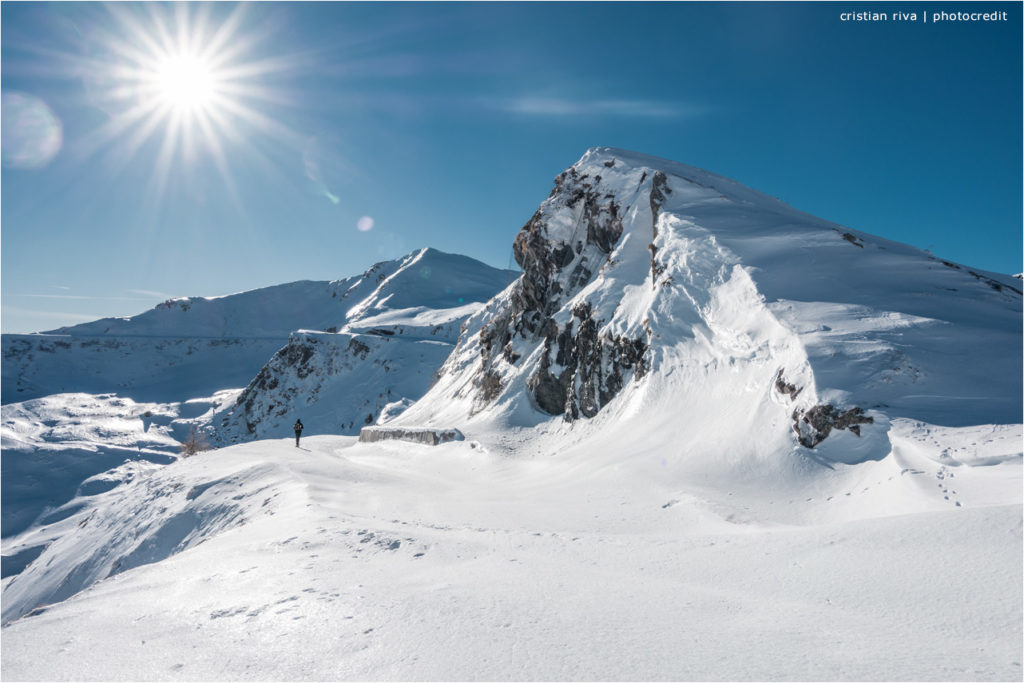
145	369
59	446
473	561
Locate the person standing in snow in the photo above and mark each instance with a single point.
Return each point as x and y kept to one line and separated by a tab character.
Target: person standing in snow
298	431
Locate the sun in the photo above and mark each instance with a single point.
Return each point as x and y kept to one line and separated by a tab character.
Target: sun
186	83
197	78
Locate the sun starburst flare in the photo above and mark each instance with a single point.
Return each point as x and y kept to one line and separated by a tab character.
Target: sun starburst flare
176	75
186	83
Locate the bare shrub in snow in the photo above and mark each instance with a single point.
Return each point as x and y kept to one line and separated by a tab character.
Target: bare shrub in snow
195	443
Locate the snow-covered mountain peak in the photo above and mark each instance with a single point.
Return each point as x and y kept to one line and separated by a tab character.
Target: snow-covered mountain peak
609	162
426	277
663	293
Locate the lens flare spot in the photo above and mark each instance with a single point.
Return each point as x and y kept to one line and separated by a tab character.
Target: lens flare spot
365	224
32	133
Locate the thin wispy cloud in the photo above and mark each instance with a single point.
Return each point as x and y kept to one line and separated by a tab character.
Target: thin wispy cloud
50	315
615	107
84	298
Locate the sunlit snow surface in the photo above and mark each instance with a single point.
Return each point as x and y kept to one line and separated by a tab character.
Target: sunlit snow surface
340	560
680	534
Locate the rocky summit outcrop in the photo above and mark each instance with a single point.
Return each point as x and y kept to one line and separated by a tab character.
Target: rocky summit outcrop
591	367
561	249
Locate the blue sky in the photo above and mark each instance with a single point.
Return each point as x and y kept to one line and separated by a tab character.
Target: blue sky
444	124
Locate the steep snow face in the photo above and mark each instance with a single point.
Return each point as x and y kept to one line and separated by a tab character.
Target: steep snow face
335	383
669	301
425	278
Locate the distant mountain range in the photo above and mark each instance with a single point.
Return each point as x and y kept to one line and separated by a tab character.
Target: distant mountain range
193	347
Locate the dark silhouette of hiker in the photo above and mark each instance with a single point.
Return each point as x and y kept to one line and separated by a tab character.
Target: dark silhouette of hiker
298	431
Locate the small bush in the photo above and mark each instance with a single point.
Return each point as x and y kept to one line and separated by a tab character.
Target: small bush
195	443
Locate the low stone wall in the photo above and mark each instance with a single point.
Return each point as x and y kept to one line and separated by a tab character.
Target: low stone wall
425	435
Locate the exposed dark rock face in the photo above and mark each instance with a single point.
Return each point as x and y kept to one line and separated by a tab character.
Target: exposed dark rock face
812	426
495	335
489	386
538	293
358	348
298	354
852	239
580	370
784	387
815	424
588	370
659	192
549	391
183	304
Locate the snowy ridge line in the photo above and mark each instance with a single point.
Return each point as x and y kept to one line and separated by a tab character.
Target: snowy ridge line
725	187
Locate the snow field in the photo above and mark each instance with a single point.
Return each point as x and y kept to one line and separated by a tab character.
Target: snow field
400	561
60	445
